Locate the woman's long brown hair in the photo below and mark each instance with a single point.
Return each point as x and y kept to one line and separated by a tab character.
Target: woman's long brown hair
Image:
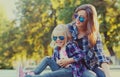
92	23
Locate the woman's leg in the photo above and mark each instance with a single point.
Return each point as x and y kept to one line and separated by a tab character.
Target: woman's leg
99	72
62	72
88	73
47	61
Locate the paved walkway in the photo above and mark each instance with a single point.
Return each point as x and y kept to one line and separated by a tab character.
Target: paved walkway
14	73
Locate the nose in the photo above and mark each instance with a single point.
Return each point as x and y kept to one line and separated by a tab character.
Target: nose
77	19
57	38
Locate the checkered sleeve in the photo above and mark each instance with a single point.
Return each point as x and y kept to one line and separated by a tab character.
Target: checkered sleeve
98	48
74	51
55	54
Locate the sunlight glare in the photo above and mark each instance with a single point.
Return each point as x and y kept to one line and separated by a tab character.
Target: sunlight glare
9	7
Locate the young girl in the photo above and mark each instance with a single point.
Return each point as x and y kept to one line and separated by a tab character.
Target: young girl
64	49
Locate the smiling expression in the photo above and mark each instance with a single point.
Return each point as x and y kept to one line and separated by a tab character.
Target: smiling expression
83	14
58	41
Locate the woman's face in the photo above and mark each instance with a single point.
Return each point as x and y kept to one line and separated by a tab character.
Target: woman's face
81	19
59	38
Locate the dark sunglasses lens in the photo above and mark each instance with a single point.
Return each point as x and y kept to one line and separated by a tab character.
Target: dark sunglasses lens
54	38
81	19
75	15
61	37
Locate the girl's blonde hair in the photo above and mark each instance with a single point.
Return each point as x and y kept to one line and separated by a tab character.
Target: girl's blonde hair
61	29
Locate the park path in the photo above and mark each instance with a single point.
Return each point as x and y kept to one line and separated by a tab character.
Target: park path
14	73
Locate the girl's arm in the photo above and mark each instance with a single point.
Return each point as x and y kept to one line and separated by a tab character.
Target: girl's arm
55	54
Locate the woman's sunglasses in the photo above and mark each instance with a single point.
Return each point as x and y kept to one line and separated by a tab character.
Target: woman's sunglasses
81	19
60	38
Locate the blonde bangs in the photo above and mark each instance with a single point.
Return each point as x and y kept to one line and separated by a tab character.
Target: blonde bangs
60	30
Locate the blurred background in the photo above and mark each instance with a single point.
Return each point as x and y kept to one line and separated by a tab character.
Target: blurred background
26	26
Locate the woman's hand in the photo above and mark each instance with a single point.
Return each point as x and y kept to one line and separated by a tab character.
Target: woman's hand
64	62
105	68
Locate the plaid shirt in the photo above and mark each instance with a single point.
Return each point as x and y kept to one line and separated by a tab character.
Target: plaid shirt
73	51
97	50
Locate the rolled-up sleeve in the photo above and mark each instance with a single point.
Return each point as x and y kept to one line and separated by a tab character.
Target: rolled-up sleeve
74	51
98	48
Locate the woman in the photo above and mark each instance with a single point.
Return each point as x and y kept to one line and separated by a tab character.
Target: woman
85	30
64	48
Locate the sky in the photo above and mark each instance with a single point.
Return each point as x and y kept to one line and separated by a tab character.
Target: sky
9	7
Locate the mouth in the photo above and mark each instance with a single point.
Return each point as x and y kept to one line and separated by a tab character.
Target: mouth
59	42
77	22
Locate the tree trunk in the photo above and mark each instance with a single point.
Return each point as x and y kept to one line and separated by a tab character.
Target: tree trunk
45	52
111	51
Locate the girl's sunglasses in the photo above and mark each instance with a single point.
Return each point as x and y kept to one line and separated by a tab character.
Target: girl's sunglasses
60	38
81	19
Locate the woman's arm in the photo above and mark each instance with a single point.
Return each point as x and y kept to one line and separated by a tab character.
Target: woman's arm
105	68
101	56
65	62
74	53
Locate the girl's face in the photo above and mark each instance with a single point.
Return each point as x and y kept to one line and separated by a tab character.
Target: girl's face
59	38
81	19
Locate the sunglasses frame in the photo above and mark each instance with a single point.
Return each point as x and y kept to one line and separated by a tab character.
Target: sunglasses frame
60	38
81	18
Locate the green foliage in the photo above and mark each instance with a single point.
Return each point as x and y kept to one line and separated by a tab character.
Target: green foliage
30	38
109	25
66	14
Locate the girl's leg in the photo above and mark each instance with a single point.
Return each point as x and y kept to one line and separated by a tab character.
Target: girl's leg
62	72
88	73
99	72
47	61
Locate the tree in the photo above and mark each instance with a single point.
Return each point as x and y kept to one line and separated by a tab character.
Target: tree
109	24
29	34
4	33
36	21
